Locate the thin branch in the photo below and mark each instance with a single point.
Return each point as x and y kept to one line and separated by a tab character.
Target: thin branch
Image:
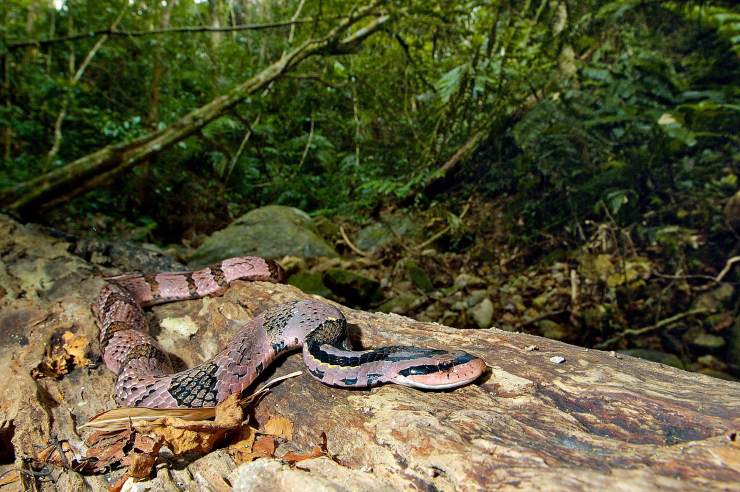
293	19
156	32
444	230
727	268
640	331
352	246
68	95
235	158
308	146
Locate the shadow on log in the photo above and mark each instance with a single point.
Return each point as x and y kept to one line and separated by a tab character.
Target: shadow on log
594	421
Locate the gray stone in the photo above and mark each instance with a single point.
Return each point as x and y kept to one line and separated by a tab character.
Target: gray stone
273	231
400	304
379	234
482	313
468	280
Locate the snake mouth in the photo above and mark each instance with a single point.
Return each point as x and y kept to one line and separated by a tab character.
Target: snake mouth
461	370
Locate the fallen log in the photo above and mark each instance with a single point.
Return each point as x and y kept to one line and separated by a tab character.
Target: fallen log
596	420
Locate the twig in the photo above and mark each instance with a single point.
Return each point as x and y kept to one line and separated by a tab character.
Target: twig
308	146
68	95
352	246
727	268
660	324
239	151
444	231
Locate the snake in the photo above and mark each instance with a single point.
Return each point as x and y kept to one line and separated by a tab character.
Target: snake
145	375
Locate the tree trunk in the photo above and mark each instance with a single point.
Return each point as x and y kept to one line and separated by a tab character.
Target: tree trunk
99	167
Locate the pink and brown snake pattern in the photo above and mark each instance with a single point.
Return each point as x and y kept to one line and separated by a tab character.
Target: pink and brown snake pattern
145	376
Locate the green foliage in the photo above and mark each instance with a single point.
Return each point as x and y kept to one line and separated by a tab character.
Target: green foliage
595	109
650	116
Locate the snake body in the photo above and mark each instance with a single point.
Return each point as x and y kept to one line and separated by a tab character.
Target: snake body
146	378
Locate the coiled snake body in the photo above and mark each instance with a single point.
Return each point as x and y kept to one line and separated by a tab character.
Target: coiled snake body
144	370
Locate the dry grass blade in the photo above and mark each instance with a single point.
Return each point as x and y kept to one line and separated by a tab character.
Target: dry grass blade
125	417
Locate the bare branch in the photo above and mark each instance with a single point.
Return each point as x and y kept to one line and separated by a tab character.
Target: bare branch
112	31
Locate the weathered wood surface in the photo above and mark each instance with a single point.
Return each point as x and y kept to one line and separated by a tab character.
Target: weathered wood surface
595	421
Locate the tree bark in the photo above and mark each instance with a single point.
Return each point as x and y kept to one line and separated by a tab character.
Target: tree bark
99	167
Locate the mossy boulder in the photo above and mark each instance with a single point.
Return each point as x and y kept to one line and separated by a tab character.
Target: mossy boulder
379	234
400	304
273	231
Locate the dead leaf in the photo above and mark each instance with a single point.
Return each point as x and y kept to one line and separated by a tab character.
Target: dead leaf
279	427
183	436
265	446
76	347
106	451
124	417
241	447
291	457
139	464
63	356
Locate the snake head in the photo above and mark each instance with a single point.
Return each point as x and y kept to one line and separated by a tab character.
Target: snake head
445	370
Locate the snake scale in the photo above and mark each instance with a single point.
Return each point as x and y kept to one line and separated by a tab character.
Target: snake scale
145	374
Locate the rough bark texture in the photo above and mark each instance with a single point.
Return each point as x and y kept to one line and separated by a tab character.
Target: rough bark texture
594	421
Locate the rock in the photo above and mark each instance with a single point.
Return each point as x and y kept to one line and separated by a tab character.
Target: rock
551	329
355	288
707	341
628	422
399	304
273	231
475	297
715	298
379	234
418	277
482	313
326	227
468	280
655	356
310	283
